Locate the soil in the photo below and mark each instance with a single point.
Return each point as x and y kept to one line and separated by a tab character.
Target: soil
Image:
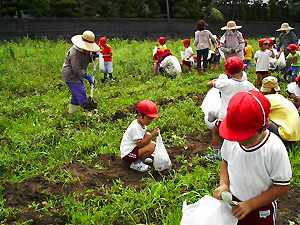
87	177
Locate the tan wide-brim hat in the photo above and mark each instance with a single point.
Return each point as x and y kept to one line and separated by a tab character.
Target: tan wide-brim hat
285	26
268	83
86	41
231	25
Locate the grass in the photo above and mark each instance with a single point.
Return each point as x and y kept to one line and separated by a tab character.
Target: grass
37	136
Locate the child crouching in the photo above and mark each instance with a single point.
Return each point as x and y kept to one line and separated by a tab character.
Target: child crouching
137	146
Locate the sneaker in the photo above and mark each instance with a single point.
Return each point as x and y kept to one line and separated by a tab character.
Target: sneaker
213	157
139	166
148	161
105	81
111	79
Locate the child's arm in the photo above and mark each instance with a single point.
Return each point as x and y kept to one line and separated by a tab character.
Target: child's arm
244	208
273	55
211	83
191	55
279	53
147	138
224	180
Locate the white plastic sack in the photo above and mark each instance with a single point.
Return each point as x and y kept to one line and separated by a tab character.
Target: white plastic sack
154	50
101	63
207	211
281	61
211	102
161	159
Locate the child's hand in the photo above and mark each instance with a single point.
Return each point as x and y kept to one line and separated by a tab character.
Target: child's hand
241	210
155	133
218	191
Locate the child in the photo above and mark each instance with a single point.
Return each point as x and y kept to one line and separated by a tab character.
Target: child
228	87
295	57
106	51
255	165
137	145
162	43
74	68
284	118
293	91
262	61
248	55
157	58
188	55
215	54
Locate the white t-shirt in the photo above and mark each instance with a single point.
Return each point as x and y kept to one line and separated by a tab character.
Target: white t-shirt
263	60
293	88
228	88
187	53
253	171
171	65
134	133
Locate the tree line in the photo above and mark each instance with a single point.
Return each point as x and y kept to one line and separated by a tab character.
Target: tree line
210	10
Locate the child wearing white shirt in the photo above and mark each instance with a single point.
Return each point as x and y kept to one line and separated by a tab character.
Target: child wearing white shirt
188	59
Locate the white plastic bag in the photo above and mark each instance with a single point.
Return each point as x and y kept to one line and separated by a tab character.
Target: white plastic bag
154	50
101	63
281	61
207	211
161	159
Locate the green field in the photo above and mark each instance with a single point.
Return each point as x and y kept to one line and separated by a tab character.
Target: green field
57	168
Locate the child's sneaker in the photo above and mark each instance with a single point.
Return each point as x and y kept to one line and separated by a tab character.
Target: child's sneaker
139	166
111	79
213	157
148	161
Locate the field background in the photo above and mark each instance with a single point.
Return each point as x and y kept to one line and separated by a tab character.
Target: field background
57	168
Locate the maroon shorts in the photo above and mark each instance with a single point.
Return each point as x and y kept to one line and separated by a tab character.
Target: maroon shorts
265	215
264	73
132	156
187	63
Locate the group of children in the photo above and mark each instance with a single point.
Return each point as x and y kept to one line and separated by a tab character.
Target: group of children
255	165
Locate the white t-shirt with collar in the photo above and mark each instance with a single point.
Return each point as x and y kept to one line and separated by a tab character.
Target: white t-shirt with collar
134	133
293	88
252	171
228	88
188	52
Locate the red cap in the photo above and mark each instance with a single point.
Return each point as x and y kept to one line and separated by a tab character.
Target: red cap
148	108
263	41
247	112
186	41
297	79
271	42
161	40
292	47
102	41
167	52
245	41
234	64
159	53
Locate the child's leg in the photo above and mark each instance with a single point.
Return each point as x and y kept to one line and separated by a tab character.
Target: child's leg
199	55
205	55
155	68
258	79
294	72
110	70
215	141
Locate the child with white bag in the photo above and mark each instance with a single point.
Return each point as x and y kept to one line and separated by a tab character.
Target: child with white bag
137	146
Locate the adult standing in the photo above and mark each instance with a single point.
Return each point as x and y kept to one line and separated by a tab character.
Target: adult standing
203	44
76	63
286	37
232	42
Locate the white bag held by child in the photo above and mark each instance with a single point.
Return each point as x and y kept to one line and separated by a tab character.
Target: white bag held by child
101	63
155	50
281	61
207	211
161	159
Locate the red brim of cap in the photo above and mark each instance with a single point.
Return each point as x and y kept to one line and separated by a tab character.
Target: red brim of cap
290	48
152	115
234	135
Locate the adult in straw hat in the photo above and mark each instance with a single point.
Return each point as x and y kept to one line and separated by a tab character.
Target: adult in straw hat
286	37
232	42
284	118
76	63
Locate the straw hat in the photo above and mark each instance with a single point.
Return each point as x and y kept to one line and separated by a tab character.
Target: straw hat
86	41
231	25
285	26
268	83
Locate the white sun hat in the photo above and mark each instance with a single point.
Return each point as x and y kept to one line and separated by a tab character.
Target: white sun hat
231	25
285	26
86	41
